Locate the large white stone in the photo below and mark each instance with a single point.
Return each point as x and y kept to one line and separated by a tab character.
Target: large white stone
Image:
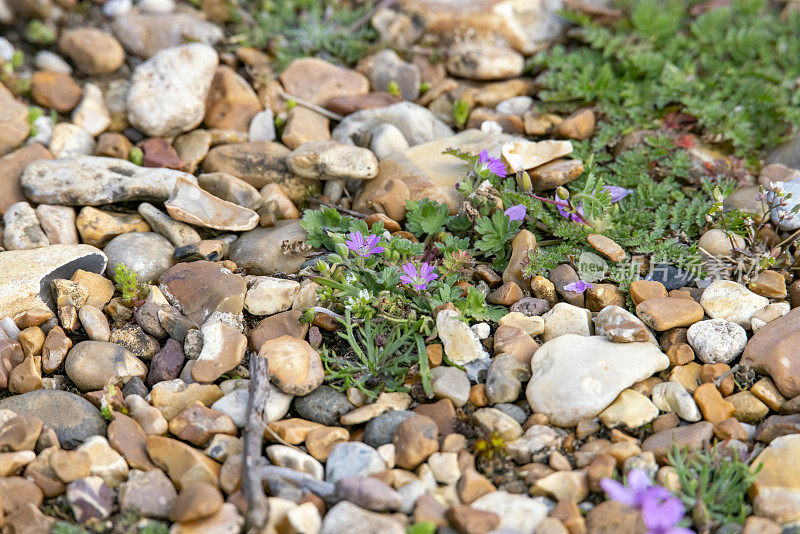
576	377
168	91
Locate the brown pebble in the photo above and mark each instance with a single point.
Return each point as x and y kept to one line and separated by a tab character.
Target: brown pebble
714	408
642	290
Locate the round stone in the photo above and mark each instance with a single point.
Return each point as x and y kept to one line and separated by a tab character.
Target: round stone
324	405
73	418
148	254
380	431
717	340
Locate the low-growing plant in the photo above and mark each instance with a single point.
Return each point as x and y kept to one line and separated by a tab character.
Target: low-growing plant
127	282
713	487
293	29
136	156
378	358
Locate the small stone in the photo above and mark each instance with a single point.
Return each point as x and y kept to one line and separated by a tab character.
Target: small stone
630	409
537	439
191	204
113	145
167	92
22	230
149	492
196	501
504	378
267	295
178	233
197	424
14	121
184	465
106	463
231	102
714	408
747	407
557	173
717	340
324	405
468	520
772	351
460	343
765	390
725	299
352	458
295	366
58	223
320	441
521	156
774	490
415	439
347	517
303	126
479	61
694	437
93	364
642	290
97	227
450	383
769	284
91	114
317	81
673	397
172	396
493	420
370	493
579	125
664	313
566	319
606	247
621	326
55	90
89	498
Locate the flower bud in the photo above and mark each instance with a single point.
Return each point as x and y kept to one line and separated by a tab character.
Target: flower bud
562	193
524	181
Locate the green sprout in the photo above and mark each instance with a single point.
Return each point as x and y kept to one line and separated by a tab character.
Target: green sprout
136	156
127	282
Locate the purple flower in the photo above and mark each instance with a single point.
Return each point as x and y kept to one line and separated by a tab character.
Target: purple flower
639	487
517	212
661	515
578	287
420	278
617	192
364	247
661	511
493	165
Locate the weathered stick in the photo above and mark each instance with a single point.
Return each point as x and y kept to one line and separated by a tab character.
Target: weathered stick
257	504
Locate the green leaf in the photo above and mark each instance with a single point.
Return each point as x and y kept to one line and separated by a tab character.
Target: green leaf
426	217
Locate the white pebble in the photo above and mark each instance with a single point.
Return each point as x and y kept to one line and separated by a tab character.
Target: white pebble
115	8
47	60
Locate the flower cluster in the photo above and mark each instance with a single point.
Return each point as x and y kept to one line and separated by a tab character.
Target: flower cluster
661	511
365	247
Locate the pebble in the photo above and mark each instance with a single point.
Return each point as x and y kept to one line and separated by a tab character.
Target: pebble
144	34
98	227
776	310
536	439
149	492
317	81
191	204
93	364
347	517
630	409
450	383
329	160
46	60
664	313
461	344
352	458
505	376
725	299
493	420
268	296
167	92
524	155
576	377
694	437
387	68
22	229
231	102
91	181
566	319
370	493
380	430
260	163
295	366
621	326
304	126
259	251
92	50
772	351
178	233
55	90
106	463
324	405
479	61
775	490
670	276
417	124
717	340
262	126
673	397
89	498
148	254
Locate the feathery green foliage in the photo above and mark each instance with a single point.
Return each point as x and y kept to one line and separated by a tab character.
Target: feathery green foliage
293	29
127	282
